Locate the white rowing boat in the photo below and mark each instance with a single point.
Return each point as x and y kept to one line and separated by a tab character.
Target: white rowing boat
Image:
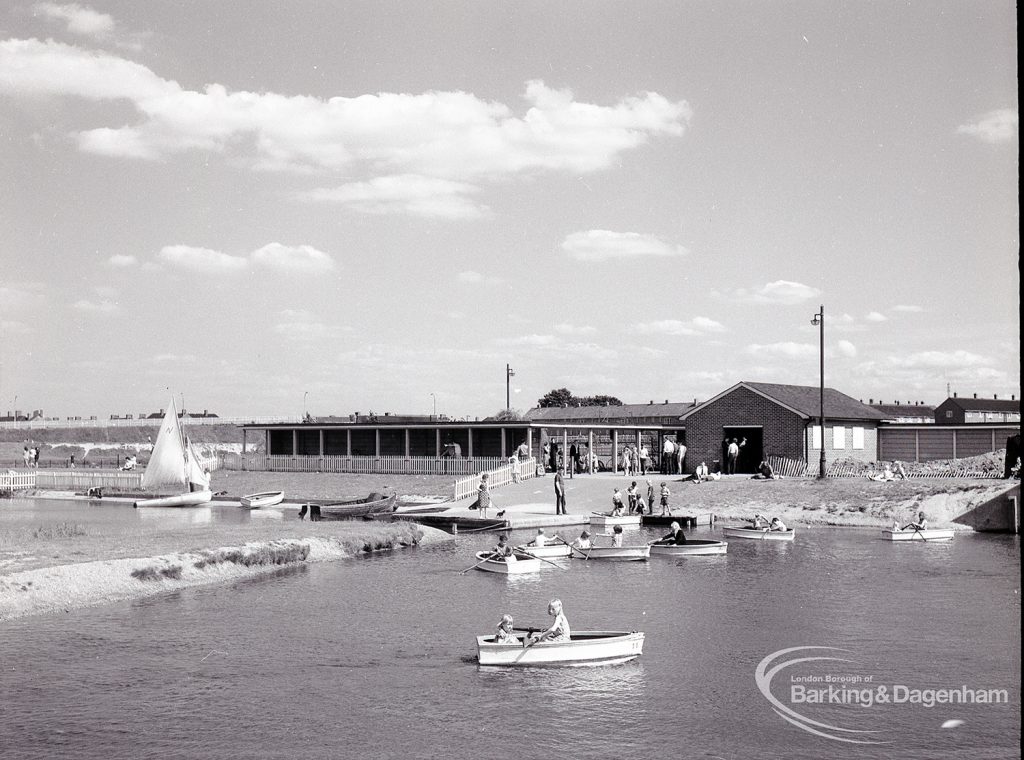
549	551
692	548
260	500
759	534
607	521
586	648
928	534
517	563
614	553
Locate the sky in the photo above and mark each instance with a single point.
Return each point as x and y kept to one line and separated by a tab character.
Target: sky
269	208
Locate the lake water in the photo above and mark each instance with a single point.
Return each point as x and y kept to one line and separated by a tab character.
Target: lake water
373	657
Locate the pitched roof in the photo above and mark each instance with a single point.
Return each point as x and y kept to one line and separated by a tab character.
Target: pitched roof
805	401
905	410
983	404
608	413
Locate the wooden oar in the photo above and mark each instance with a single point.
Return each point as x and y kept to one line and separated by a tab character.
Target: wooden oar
489	556
542	559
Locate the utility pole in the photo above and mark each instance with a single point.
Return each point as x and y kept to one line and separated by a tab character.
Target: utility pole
509	373
819	321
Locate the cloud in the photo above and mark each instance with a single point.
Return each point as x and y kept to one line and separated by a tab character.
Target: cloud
783	292
122	260
601	245
13	327
299	324
529	340
940	359
846	348
201	259
470	277
412	194
101	307
908	308
298	258
997	126
568	329
787	349
874	316
80	19
23	297
695	326
448	135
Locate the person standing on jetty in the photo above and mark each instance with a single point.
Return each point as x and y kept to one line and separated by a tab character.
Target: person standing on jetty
560	493
484	497
665	508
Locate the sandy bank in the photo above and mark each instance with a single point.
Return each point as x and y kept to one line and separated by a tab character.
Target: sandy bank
70	586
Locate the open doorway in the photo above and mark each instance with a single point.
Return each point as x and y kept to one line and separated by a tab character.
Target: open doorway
751	452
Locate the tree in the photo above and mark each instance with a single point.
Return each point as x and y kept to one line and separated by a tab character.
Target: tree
507	415
557	397
600	401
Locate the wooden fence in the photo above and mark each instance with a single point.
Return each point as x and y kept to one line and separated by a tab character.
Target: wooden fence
512	472
80	480
366	465
798	468
17	481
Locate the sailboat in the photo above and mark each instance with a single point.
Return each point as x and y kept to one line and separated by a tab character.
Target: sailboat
175	464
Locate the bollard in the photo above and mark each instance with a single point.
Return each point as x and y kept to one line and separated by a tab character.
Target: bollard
455	529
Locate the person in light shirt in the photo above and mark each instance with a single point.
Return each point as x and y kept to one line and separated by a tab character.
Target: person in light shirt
617	536
540	540
777	525
559	630
583	542
504	634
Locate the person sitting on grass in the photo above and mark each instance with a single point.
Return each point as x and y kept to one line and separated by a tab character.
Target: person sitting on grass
898	470
504	634
764	472
921	524
701	473
777	525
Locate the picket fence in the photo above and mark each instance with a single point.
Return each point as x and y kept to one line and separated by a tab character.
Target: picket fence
364	465
512	472
798	468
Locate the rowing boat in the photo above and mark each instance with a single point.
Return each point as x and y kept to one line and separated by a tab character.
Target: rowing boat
586	648
692	548
523	563
259	500
549	551
928	534
374	504
608	521
761	534
615	553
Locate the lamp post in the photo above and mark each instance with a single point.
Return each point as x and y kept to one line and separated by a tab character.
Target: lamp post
509	372
819	321
434	397
304	394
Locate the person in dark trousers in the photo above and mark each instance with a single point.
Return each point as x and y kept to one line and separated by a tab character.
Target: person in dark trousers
560	493
675	535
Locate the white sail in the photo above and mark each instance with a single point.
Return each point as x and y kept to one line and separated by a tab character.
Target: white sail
167	463
197	476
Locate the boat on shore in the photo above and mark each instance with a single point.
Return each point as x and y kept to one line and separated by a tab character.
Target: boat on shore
175	464
928	534
601	520
514	565
614	553
758	534
584	649
373	504
549	551
694	547
259	500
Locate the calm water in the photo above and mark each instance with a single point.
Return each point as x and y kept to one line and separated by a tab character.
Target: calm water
373	658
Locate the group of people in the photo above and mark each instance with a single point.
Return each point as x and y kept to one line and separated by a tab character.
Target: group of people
130	462
763	523
31	456
894	471
635	460
557	632
635	503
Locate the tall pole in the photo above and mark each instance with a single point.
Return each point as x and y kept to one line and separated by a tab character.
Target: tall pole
819	321
434	397
509	372
304	394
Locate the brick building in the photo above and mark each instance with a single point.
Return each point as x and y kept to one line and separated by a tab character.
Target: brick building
780	420
965	411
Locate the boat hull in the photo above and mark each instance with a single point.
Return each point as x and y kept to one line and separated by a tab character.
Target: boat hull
759	534
359	508
586	649
692	548
614	553
551	551
929	534
522	564
607	521
259	500
191	499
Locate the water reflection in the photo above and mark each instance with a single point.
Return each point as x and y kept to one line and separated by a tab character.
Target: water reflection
177	516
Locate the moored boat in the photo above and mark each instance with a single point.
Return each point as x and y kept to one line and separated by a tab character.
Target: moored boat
692	548
374	504
614	553
586	648
759	534
518	563
192	499
928	534
549	551
608	521
259	500
174	463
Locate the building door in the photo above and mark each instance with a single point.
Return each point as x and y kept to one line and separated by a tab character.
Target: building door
751	452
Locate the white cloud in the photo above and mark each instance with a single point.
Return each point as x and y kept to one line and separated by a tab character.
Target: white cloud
122	260
786	349
568	329
601	245
447	135
470	277
100	307
996	126
940	359
404	193
908	308
874	316
846	348
528	340
783	292
695	326
297	258
201	259
23	297
81	19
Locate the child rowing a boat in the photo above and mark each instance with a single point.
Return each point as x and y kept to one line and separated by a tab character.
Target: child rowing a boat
921	524
503	550
777	525
559	630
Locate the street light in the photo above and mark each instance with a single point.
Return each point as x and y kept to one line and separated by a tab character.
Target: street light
819	321
509	373
434	397
304	394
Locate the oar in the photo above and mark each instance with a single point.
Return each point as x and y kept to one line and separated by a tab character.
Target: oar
542	559
489	556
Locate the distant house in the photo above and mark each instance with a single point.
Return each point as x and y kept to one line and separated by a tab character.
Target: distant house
917	413
965	411
780	420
